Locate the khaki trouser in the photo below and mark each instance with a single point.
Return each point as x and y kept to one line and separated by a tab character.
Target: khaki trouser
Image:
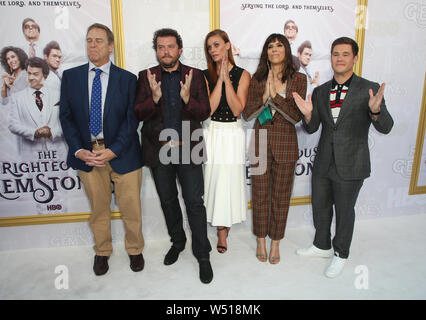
97	185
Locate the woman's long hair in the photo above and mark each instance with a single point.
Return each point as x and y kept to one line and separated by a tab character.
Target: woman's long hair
288	69
211	65
22	57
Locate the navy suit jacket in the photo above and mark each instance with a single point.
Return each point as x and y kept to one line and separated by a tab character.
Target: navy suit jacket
119	122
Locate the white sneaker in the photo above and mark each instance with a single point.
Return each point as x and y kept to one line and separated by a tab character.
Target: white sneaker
315	252
335	268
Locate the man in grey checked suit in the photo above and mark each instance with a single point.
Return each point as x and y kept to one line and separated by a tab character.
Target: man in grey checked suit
346	107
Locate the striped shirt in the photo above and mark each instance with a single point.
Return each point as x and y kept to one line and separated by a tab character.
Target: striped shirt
337	95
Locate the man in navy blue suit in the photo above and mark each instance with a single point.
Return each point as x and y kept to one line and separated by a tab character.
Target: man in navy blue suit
100	128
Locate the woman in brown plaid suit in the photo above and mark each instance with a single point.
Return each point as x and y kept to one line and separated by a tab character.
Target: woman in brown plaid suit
274	81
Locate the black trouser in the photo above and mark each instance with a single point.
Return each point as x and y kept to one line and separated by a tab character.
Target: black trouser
191	180
326	191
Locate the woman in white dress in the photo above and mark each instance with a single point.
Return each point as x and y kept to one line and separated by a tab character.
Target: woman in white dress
224	173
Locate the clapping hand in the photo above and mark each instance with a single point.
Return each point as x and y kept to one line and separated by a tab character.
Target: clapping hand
185	87
376	100
271	81
304	106
269	87
224	73
155	87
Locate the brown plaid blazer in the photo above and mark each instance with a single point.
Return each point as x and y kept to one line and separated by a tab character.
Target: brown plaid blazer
281	132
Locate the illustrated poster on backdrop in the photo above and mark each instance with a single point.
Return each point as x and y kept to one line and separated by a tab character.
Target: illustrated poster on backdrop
311	27
34	176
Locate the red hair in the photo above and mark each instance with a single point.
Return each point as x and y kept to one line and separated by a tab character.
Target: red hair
211	65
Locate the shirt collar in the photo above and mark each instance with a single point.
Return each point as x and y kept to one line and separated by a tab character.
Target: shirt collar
42	90
179	68
346	84
105	68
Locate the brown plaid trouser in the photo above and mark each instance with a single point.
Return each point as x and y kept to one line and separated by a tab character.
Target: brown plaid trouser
271	193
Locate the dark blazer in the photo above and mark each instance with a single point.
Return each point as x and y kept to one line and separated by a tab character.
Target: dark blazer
119	122
348	137
197	109
281	131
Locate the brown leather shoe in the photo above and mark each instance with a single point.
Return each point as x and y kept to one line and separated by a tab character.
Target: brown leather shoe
100	266
136	262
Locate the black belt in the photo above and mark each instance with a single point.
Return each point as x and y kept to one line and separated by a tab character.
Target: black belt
224	118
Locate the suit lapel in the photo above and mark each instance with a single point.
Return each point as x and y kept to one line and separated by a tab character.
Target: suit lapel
184	71
112	85
325	96
53	106
345	108
47	107
157	72
32	108
83	78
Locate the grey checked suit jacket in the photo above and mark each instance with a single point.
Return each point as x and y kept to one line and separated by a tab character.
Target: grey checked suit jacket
348	137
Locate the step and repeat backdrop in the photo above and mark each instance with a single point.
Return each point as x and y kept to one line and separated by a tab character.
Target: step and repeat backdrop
39	193
35	179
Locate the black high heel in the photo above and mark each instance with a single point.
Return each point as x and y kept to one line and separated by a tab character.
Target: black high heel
219	248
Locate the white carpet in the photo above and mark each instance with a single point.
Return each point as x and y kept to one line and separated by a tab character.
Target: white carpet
387	261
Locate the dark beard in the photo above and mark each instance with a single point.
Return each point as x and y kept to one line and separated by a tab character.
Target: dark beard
170	65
